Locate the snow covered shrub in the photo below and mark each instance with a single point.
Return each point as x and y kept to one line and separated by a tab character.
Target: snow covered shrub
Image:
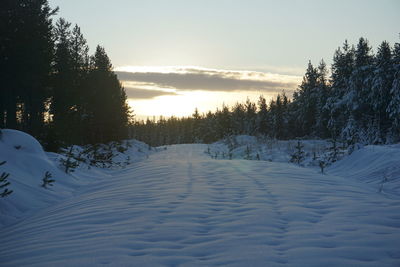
98	155
231	142
47	181
247	153
121	149
4	183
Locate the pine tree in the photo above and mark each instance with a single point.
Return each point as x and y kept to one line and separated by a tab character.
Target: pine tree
25	70
63	77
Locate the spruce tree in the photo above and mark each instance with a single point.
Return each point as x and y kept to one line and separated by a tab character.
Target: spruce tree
322	114
379	96
360	84
251	115
107	110
336	106
307	98
262	116
393	108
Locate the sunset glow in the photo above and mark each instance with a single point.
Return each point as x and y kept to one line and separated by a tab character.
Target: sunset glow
155	91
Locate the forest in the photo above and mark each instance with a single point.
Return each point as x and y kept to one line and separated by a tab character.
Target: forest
53	89
356	101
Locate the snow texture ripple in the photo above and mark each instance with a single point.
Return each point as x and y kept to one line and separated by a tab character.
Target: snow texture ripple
181	208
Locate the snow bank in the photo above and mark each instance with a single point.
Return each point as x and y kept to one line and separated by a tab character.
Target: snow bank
375	165
27	163
378	166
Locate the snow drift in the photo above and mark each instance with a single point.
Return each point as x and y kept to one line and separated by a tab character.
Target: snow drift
27	163
378	166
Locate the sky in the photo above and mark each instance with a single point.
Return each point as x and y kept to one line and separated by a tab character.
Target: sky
175	55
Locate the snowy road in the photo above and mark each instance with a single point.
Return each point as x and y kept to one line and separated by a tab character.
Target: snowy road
180	207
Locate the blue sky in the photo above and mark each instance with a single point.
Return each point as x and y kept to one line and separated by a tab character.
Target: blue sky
248	35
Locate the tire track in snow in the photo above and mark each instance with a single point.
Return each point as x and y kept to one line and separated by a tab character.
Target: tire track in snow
274	202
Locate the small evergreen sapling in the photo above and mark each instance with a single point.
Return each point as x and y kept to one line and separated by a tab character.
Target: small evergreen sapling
334	151
322	166
247	153
69	164
4	183
47	181
298	155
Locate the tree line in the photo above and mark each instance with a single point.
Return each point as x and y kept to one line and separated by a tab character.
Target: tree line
51	87
356	101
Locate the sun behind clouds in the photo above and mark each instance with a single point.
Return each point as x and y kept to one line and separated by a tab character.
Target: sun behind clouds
177	90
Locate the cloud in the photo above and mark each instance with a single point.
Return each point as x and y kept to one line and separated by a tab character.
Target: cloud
139	93
194	78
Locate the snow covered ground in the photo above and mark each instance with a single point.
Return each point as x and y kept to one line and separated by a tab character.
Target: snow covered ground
27	163
180	207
